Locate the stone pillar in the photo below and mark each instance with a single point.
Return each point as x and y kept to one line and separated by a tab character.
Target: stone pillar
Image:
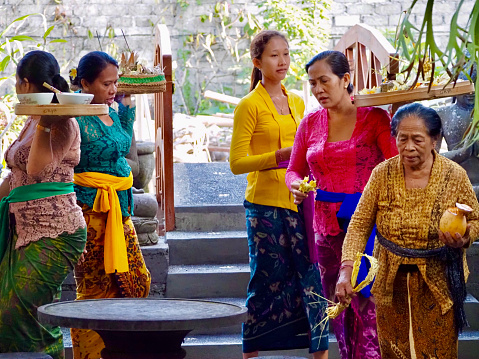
145	205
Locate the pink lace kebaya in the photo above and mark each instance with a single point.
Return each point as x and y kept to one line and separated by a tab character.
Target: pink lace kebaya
50	216
343	166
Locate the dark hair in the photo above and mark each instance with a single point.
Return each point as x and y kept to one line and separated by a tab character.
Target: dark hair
337	61
90	66
431	119
39	67
256	50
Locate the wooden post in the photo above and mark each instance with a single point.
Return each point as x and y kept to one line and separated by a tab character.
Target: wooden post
164	131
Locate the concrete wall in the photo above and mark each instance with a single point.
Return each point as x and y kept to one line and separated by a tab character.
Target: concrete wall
138	17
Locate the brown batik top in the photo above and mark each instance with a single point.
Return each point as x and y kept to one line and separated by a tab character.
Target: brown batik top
410	217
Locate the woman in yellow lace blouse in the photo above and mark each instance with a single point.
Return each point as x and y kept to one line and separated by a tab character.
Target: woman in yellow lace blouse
420	286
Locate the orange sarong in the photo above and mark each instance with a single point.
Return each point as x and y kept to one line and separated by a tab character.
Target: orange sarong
93	283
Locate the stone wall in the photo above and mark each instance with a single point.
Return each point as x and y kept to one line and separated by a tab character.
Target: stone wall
76	19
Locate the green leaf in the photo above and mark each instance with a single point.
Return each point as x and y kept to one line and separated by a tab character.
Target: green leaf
16	20
57	40
4	63
49	30
22	38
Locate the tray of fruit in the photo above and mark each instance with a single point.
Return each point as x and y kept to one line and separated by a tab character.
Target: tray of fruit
389	93
135	78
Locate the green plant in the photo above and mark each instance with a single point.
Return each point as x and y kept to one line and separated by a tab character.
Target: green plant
13	41
214	58
302	22
10	125
106	42
419	47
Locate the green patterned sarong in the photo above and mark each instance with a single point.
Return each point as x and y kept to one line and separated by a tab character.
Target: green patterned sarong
30	277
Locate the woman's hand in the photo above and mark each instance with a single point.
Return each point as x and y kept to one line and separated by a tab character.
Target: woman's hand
297	194
344	289
283	154
81	260
457	241
125	99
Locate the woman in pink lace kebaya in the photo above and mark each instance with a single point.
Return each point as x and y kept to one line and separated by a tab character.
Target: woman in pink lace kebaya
42	229
340	145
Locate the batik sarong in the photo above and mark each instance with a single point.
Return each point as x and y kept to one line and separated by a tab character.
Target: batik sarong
92	282
283	311
31	276
414	326
355	327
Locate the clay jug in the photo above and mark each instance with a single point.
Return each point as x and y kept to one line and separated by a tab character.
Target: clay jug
454	219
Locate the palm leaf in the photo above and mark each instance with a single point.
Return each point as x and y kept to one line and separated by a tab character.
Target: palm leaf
416	45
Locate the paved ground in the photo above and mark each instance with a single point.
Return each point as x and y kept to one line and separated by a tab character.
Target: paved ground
202	184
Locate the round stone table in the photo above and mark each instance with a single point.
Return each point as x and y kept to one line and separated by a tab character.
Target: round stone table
146	328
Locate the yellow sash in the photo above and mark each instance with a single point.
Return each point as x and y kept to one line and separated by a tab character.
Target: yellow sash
106	200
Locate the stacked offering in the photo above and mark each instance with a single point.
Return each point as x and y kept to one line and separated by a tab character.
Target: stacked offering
136	78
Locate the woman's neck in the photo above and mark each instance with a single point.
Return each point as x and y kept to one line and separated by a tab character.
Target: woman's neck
344	109
418	176
272	88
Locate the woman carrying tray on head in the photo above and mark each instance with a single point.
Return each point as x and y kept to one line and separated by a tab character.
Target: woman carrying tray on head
46	234
114	266
283	311
340	144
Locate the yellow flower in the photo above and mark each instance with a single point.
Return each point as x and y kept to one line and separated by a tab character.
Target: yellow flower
307	186
73	73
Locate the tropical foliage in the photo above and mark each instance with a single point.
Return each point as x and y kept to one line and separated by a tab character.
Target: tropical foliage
418	46
14	42
226	49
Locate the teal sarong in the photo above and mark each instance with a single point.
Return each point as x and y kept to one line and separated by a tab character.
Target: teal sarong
23	194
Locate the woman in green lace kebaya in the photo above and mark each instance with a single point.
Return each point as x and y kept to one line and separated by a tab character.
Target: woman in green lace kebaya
113	266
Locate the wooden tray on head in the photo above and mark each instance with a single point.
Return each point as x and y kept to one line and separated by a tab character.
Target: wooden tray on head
54	109
418	94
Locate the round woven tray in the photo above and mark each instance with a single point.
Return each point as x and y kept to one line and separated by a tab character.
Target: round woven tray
54	109
139	84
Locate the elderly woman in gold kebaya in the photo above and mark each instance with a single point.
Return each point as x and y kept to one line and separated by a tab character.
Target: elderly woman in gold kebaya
420	286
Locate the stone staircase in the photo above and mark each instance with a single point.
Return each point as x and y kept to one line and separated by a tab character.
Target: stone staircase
208	259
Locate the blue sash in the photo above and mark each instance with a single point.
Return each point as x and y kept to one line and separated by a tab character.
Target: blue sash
348	206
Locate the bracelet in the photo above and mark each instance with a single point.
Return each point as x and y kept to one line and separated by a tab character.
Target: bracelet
345	266
43	128
279	156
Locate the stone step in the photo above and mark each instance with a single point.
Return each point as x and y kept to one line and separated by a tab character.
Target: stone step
156	259
208	197
189	248
235	329
223	346
229	346
207	281
471	307
473	264
206	218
